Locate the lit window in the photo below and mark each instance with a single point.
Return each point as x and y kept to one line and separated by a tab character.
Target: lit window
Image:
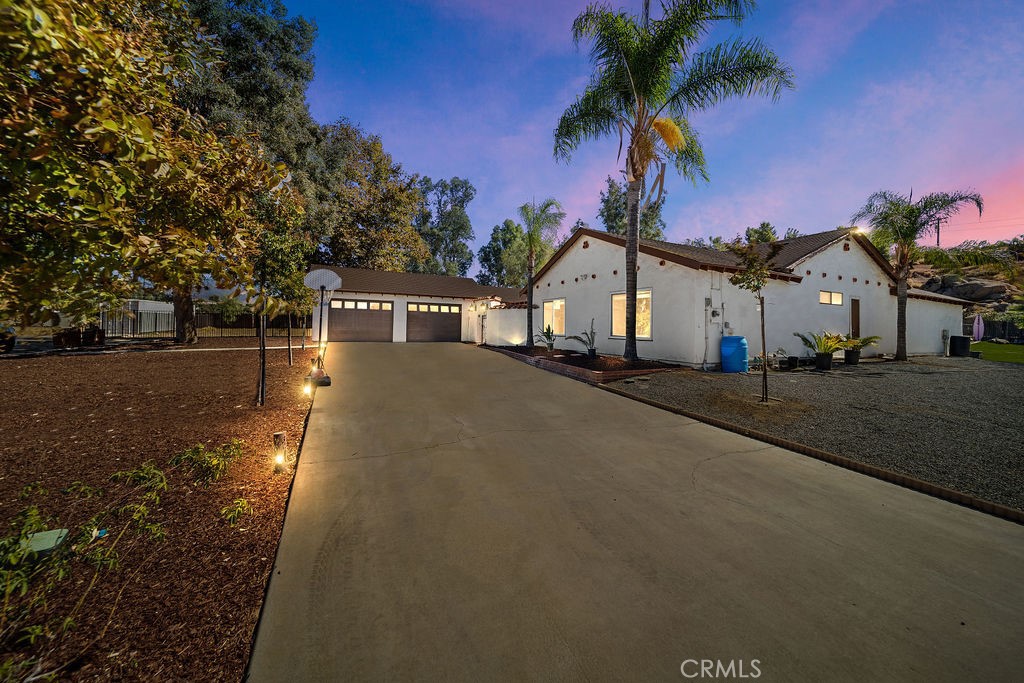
830	298
350	304
386	306
455	309
374	305
444	309
335	304
424	308
434	308
643	314
554	315
361	305
412	308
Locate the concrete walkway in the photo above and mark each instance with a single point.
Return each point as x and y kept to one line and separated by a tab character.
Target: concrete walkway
458	515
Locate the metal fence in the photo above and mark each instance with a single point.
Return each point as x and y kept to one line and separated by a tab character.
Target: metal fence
160	324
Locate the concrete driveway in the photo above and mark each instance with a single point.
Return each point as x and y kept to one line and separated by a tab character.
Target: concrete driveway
458	515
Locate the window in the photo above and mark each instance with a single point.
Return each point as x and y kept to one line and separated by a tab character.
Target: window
643	314
831	298
455	309
386	306
350	304
412	308
554	315
424	308
374	305
444	309
336	304
434	308
361	305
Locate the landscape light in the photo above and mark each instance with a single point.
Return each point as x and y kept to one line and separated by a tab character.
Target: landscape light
307	386
279	463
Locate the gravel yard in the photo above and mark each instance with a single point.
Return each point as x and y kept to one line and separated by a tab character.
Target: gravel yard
955	422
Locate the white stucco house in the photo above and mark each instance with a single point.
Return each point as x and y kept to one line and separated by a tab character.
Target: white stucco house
835	281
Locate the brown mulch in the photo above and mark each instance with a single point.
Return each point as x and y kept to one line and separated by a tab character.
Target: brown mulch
581	360
183	608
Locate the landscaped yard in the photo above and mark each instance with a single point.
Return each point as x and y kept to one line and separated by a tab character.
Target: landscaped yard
1004	353
181	608
955	422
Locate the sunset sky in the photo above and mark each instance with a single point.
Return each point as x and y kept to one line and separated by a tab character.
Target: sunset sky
922	94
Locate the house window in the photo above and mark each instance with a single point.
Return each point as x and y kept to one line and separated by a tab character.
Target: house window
831	298
350	305
554	315
643	314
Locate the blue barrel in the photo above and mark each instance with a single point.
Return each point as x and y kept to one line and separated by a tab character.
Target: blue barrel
734	354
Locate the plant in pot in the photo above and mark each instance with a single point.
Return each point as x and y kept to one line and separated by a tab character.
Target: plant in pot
548	337
852	346
823	345
588	339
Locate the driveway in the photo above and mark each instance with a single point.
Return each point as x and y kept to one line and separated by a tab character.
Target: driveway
458	515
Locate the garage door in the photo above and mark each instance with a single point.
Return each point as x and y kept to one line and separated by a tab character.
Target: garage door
434	322
353	320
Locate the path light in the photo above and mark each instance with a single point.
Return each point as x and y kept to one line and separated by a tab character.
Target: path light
307	386
280	451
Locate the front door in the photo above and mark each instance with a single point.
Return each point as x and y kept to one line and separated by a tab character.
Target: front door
854	317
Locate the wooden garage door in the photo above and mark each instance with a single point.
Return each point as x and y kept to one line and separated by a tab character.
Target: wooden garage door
354	320
434	322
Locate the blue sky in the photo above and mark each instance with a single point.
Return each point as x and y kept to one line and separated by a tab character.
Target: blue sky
890	95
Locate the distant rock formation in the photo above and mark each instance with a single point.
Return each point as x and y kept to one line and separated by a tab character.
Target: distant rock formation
994	295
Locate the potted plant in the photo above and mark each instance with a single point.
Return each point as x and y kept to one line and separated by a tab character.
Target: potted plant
852	347
823	345
548	337
588	339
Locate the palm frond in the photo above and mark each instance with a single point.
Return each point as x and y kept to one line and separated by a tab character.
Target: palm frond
592	115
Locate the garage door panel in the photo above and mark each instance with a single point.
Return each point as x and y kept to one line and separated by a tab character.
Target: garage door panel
427	322
360	321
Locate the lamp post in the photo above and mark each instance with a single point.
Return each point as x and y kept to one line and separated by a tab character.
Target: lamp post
325	280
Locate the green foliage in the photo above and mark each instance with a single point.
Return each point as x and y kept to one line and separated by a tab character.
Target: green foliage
547	335
146	476
234	512
613	213
208	465
587	338
826	342
493	269
858	343
82	490
444	225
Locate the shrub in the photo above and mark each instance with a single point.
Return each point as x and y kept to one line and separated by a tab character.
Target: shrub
208	465
232	513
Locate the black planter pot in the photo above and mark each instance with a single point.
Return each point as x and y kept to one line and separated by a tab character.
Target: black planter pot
591	353
823	361
851	356
794	362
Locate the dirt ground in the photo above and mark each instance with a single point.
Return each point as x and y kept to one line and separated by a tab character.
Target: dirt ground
581	360
183	608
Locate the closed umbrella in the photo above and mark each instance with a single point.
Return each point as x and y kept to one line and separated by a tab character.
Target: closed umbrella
979	327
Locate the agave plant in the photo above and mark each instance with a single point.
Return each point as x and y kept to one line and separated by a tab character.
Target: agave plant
826	342
547	336
588	339
852	343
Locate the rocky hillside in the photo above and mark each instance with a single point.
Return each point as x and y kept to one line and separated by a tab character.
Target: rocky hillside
989	293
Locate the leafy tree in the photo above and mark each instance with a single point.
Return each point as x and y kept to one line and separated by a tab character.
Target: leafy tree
714	242
491	255
897	223
444	225
791	233
613	213
755	256
765	232
363	202
540	224
105	178
649	77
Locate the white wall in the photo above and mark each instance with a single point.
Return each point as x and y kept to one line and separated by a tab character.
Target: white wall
399	309
503	327
687	331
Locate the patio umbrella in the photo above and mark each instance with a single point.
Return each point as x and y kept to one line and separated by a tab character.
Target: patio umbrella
979	327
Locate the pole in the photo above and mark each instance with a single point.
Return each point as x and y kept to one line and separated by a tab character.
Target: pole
320	335
938	230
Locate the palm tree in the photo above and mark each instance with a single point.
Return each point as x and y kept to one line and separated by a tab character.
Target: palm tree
648	78
897	223
540	222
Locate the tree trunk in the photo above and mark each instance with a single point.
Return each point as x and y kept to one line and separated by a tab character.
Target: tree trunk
901	316
764	354
184	318
530	257
632	245
289	314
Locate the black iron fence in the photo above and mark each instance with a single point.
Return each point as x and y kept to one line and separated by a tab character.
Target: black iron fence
160	324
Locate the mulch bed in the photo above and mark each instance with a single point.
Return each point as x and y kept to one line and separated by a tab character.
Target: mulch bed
581	360
183	608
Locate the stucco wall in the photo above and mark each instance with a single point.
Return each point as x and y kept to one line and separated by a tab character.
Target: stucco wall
692	309
504	326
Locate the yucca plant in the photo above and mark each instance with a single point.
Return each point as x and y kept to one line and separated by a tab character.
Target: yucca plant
826	342
547	336
588	339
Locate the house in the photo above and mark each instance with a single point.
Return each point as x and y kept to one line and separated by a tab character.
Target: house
836	281
376	305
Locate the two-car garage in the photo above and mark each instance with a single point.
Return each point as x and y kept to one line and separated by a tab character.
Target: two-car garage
382	306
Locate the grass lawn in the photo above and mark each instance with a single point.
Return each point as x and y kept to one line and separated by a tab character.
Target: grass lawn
1005	353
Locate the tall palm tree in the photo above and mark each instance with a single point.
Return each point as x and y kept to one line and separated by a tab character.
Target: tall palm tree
540	221
897	223
648	78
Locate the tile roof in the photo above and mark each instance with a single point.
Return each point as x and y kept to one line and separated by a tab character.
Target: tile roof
418	284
